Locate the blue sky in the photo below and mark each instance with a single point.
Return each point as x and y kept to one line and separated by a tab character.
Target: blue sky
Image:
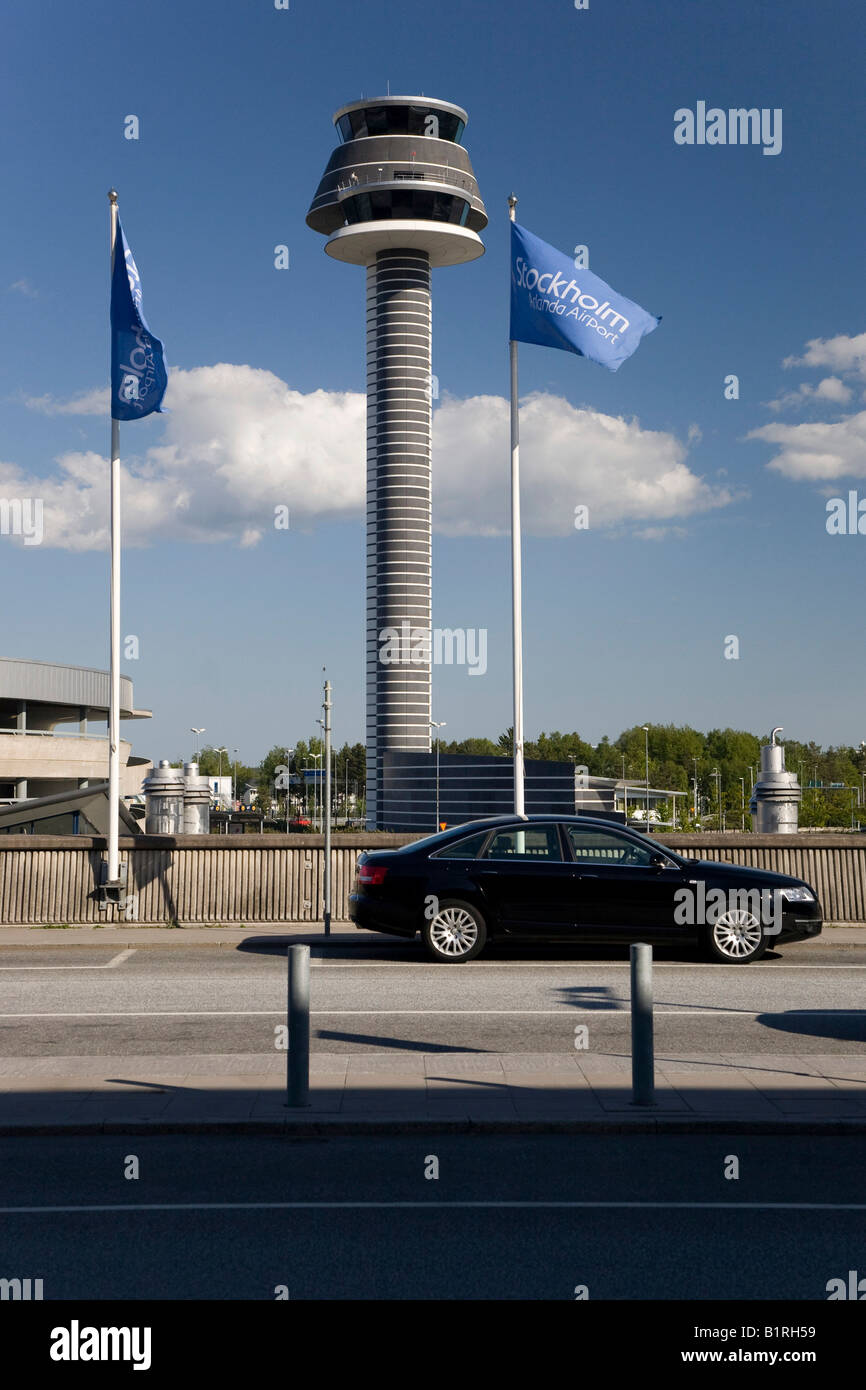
699	528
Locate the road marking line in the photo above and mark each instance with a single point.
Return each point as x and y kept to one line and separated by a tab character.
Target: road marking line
109	965
433	1204
565	1009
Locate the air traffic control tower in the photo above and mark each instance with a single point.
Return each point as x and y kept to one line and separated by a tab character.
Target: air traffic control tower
399	197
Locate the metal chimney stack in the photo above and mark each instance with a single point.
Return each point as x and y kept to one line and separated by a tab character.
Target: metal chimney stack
775	800
164	791
196	801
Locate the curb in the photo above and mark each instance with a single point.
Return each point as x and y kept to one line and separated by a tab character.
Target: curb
323	1129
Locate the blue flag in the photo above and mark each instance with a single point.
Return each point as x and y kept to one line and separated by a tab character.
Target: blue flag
138	375
555	305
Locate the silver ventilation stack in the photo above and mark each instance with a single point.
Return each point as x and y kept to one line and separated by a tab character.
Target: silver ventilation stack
177	802
399	197
163	794
776	796
196	801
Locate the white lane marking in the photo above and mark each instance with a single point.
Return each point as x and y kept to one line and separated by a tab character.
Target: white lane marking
565	1009
434	1204
109	965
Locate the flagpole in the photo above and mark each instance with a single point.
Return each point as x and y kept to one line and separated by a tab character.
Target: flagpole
114	677
516	574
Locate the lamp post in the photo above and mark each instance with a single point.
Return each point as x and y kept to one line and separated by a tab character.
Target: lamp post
742	782
290	752
440	725
317	758
221	750
695	785
645	728
718	776
235	779
197	732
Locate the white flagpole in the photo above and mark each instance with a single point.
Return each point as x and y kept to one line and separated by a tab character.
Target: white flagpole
114	678
516	577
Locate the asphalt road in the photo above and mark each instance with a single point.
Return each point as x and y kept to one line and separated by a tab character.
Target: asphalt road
372	997
641	1217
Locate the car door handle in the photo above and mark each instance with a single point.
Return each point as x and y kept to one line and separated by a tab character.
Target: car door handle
583	875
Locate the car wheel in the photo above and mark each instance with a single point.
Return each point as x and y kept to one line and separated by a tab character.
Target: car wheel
456	933
736	938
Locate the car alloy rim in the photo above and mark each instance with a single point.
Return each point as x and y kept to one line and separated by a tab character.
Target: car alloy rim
737	934
453	931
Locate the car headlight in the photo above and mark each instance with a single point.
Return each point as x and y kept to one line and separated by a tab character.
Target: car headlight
798	895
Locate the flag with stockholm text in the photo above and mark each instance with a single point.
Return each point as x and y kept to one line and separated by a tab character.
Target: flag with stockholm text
555	304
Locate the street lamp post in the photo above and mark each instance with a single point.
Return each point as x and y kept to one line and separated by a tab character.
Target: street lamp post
196	732
221	750
290	752
645	728
326	725
742	782
440	725
317	803
718	776
235	779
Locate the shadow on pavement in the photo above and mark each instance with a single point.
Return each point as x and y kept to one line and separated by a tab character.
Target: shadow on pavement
845	1024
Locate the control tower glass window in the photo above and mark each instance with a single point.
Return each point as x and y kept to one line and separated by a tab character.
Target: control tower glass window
401	120
409	204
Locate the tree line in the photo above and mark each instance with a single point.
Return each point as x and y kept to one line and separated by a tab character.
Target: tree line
678	754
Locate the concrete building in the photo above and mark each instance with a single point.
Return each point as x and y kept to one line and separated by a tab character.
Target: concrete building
50	736
399	197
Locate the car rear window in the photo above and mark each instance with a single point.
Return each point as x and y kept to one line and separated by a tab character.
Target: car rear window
469	848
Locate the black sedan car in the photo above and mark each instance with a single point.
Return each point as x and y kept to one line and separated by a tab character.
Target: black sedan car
549	878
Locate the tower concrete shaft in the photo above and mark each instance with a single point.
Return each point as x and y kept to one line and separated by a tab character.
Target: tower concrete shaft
399	401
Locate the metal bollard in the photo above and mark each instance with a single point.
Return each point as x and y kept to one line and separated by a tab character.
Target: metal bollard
642	1056
298	1056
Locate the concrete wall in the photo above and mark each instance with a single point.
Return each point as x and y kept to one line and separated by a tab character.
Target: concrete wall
245	879
51	763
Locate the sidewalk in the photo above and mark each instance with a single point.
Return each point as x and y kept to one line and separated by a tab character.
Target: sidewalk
129	934
403	1093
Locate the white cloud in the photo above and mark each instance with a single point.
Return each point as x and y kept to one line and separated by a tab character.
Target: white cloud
87	403
24	287
840	354
659	533
569	456
238	442
832	388
816	452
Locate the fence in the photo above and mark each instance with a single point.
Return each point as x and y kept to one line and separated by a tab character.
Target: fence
193	880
